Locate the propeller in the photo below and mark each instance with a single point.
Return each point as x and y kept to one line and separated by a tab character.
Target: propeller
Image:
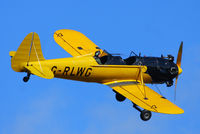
178	63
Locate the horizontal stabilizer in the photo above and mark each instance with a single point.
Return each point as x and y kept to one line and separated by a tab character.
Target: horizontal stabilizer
12	53
43	72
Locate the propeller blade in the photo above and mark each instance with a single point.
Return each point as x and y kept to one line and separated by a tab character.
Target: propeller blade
175	88
178	63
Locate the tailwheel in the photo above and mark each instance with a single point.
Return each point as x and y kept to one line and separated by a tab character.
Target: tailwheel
145	115
119	97
26	78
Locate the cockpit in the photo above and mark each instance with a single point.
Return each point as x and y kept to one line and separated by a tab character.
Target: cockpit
111	59
108	59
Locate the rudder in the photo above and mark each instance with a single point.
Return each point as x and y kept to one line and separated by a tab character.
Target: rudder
29	50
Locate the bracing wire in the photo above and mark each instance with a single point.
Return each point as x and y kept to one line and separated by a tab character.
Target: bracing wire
159	90
37	57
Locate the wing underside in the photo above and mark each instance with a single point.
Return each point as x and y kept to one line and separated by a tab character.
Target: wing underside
145	97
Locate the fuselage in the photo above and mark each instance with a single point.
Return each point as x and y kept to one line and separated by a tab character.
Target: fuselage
111	68
88	70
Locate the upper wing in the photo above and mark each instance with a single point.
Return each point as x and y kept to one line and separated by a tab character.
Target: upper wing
75	43
145	97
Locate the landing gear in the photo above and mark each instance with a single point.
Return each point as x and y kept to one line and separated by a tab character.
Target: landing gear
145	115
119	97
26	78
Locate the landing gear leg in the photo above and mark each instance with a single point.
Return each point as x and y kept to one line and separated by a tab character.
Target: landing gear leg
145	115
26	78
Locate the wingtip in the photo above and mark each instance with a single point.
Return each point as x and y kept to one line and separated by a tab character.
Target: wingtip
179	111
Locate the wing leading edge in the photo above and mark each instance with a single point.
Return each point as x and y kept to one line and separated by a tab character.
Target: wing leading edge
145	97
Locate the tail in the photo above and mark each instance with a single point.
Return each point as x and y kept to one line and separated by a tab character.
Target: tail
28	52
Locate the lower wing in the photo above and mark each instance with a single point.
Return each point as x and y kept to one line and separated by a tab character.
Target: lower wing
145	97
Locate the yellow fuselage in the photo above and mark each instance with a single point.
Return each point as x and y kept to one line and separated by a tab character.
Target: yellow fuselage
88	70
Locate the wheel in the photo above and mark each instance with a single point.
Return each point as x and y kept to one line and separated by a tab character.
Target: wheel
145	115
119	97
25	79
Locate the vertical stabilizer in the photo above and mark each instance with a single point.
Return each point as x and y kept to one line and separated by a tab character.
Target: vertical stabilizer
29	50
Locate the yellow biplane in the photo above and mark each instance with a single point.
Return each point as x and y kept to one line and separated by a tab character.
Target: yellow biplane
127	77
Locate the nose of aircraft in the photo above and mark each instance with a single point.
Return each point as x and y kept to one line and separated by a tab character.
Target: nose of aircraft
180	70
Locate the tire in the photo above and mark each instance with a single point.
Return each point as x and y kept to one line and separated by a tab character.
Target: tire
145	115
25	79
119	97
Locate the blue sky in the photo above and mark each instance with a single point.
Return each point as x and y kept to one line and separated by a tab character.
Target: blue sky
57	106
